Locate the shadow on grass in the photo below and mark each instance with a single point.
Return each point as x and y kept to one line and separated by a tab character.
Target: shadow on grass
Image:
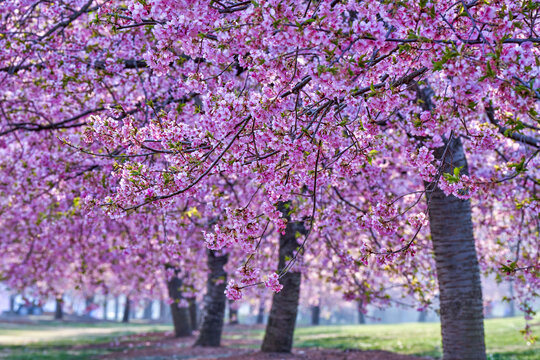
346	342
51	354
515	355
78	348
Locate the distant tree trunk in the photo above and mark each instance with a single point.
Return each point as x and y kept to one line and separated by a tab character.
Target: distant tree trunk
58	312
89	301
12	304
180	315
458	274
193	313
233	314
214	302
511	306
116	308
127	306
164	311
148	311
260	314
422	316
361	316
315	314
282	318
105	308
133	311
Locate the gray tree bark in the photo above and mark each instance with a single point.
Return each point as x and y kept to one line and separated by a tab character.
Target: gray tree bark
88	301
260	314
105	308
361	316
193	313
132	311
214	302
180	315
511	307
147	314
58	311
422	316
164	311
125	318
233	314
315	314
458	275
282	318
116	308
12	304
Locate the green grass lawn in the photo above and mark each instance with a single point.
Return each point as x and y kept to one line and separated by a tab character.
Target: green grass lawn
503	339
61	341
70	333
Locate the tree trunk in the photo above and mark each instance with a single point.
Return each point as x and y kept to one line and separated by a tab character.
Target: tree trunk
116	308
233	314
58	312
180	315
89	302
148	311
260	314
422	316
282	318
12	304
132	311
361	316
164	311
315	314
105	308
458	274
511	307
214	301
125	319
193	313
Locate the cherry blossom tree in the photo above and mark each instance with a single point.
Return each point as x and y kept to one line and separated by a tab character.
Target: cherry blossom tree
353	112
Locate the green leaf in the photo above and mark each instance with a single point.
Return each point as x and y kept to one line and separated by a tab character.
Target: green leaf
448	54
510	268
457	171
452	179
519	167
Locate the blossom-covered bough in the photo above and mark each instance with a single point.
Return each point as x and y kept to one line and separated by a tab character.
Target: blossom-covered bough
52	245
358	114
